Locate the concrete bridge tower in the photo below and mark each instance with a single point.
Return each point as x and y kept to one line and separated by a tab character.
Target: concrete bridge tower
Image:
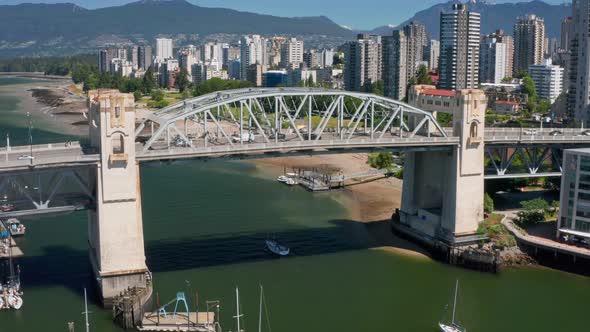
443	190
115	226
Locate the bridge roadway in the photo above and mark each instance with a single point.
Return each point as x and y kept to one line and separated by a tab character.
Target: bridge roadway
60	155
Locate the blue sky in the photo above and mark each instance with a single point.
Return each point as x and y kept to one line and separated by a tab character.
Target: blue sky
365	14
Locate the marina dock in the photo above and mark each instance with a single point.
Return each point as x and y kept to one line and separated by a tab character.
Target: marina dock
315	181
202	322
8	246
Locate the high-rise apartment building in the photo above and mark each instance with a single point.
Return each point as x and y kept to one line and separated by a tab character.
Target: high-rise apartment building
548	80
417	41
275	50
362	62
495	58
433	54
578	101
459	48
567	33
394	65
292	53
187	58
163	49
145	56
135	57
530	46
252	52
212	55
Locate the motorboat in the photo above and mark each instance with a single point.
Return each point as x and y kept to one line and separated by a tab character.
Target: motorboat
283	179
15	227
15	301
7	207
276	248
290	182
452	327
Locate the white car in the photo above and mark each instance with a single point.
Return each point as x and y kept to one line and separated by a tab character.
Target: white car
25	157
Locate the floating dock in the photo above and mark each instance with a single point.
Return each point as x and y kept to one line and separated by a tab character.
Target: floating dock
202	322
8	246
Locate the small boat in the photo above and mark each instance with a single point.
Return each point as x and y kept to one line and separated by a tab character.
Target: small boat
290	182
7	207
452	327
15	227
1	303
283	179
276	248
15	301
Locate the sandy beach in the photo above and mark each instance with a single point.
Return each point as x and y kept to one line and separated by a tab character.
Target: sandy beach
372	202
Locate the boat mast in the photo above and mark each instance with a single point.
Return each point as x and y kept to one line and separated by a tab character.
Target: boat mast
86	311
237	317
455	301
260	311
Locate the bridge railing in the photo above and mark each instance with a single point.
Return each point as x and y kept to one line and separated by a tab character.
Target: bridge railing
42	147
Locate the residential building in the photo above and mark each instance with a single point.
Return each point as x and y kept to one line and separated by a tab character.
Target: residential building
145	56
292	53
567	33
212	55
202	72
313	59
299	76
187	57
529	42
275	50
135	57
230	53
105	57
495	57
254	74
164	49
507	107
394	65
548	80
234	69
578	101
459	48
253	52
433	54
574	211
362	62
275	78
327	58
417	41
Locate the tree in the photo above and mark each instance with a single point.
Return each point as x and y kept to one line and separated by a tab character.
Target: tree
217	84
488	204
533	211
380	160
157	95
528	87
149	81
422	76
137	95
181	81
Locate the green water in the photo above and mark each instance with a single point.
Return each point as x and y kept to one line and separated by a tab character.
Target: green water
205	223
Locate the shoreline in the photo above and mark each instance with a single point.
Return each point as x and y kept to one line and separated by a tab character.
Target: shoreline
371	203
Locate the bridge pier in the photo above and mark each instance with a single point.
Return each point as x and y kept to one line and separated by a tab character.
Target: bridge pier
442	197
115	226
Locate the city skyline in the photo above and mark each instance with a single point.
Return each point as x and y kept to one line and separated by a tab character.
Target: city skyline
343	15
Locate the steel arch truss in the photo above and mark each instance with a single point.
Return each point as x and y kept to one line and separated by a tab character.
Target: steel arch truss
248	116
519	161
46	191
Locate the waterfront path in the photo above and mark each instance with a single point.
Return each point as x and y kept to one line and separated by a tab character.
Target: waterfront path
539	242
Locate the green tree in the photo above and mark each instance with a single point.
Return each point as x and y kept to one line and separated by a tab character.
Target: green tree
137	95
181	81
217	84
533	211
488	204
528	87
422	76
158	95
380	160
149	81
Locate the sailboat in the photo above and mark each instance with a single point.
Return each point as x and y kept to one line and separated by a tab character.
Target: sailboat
86	312
262	301
452	327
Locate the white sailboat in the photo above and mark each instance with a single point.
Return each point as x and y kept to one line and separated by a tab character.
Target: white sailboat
262	301
452	327
86	312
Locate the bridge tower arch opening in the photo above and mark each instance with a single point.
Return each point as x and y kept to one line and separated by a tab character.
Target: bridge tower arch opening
443	190
115	227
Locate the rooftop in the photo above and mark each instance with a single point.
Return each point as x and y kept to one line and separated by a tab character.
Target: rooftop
439	93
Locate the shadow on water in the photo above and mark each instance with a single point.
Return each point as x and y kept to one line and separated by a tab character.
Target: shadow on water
70	267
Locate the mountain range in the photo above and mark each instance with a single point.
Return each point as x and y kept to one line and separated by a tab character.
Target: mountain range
64	28
493	16
61	28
